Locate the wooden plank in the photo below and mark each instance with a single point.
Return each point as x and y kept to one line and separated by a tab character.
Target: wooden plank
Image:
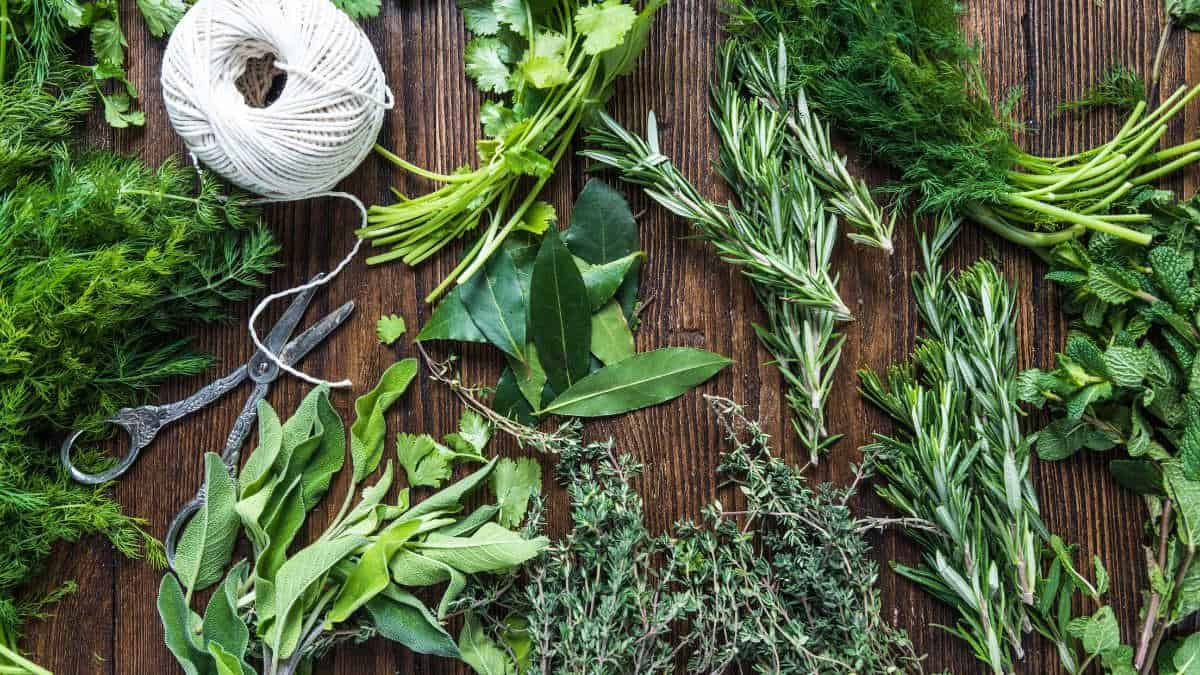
1052	48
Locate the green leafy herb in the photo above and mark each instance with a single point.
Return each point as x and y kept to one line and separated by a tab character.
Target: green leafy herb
1119	87
792	593
553	66
390	328
958	470
639	381
348	583
560	324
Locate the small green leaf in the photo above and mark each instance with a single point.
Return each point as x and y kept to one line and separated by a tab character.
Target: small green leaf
222	625
486	62
604	24
206	544
514	482
639	381
400	617
545	62
612	341
602	281
1099	632
390	328
450	499
426	462
479	652
451	321
561	322
179	626
496	302
161	15
602	227
367	432
530	376
473	434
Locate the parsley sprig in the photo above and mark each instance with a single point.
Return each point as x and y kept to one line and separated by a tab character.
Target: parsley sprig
552	64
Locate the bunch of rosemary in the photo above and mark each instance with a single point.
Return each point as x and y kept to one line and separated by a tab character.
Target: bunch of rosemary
777	160
899	78
1129	379
959	464
102	262
786	586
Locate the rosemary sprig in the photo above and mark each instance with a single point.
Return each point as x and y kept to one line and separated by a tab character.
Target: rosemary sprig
961	463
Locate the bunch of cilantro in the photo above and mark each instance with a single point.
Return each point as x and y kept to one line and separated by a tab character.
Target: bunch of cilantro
552	65
1128	381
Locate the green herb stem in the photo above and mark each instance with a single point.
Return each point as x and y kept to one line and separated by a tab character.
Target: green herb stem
1090	222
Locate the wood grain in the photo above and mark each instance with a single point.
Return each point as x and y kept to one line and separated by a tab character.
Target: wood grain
1050	48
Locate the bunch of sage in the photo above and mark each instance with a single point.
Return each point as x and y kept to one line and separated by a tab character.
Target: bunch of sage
288	605
560	309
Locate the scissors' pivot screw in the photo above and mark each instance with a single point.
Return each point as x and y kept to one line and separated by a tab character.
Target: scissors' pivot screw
263	367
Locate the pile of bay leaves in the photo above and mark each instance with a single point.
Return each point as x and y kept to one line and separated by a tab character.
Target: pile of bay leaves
562	308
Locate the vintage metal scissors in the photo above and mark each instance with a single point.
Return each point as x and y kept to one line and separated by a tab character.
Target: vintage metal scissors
143	423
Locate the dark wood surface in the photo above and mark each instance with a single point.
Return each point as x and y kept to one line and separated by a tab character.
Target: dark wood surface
1050	48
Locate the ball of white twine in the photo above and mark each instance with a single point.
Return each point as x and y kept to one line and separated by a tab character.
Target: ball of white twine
320	126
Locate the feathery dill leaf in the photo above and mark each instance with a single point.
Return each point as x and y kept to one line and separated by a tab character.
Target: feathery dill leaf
102	262
1118	87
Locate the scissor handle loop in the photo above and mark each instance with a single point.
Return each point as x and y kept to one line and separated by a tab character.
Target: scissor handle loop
141	425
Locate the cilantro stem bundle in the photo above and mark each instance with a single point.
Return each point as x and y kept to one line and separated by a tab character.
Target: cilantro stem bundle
555	63
899	78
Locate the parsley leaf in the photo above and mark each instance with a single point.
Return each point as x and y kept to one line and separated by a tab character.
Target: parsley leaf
358	9
604	25
161	15
390	328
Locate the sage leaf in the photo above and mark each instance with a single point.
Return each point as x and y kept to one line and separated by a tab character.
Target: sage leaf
639	381
367	432
514	482
222	625
279	529
451	321
401	617
370	575
497	304
478	651
603	280
476	520
491	548
179	626
206	544
612	341
226	663
294	579
602	227
257	470
560	316
450	499
410	568
330	456
373	495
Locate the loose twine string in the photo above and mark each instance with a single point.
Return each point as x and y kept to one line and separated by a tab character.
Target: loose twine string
321	126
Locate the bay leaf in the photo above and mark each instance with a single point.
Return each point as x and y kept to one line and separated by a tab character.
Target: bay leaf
612	341
450	321
639	381
531	377
603	280
401	617
497	302
602	227
206	544
560	314
369	428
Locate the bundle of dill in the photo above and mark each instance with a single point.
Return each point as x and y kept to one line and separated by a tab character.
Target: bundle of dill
900	79
102	261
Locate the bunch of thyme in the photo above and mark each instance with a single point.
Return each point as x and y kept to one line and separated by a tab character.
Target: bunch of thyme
785	586
777	161
960	464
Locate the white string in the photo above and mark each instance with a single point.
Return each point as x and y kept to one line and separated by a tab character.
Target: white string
319	129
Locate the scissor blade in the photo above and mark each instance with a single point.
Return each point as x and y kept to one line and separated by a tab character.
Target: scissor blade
309	339
283	329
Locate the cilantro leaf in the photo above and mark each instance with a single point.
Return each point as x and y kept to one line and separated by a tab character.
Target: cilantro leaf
161	15
545	64
514	482
358	9
474	430
604	25
486	64
480	17
514	14
390	328
538	217
108	42
426	462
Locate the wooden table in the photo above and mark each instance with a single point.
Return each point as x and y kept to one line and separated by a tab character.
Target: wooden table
1050	48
